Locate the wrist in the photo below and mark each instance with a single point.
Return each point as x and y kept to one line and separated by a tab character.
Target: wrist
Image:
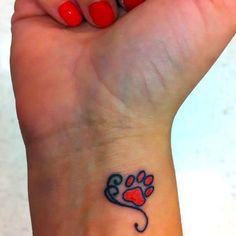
72	182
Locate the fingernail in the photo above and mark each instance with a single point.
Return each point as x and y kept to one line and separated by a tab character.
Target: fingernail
102	13
70	13
130	4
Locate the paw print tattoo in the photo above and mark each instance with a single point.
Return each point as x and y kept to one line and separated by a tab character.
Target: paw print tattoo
139	188
132	192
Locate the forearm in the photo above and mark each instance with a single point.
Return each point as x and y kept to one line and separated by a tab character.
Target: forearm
69	194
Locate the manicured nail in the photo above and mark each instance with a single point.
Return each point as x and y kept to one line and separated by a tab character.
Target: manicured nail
70	13
130	4
102	13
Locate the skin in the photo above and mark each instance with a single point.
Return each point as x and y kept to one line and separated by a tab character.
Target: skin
91	102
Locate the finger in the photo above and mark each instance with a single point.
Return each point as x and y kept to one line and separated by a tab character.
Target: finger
100	13
26	8
130	4
65	12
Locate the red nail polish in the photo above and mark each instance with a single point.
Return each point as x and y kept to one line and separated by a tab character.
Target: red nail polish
130	4
70	13
102	13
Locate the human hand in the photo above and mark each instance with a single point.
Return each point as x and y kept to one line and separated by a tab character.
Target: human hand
83	87
138	70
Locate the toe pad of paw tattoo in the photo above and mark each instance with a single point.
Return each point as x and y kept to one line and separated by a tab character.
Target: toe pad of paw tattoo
132	193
